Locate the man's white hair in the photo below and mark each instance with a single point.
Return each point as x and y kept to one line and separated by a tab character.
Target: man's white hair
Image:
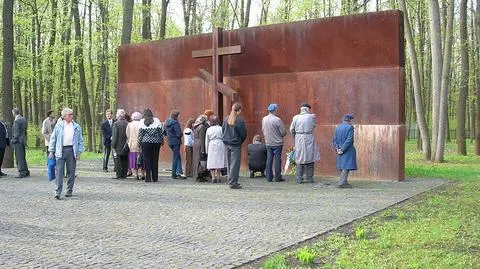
120	114
66	111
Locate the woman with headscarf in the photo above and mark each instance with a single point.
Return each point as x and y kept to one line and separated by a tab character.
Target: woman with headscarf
199	159
234	134
150	139
133	128
215	150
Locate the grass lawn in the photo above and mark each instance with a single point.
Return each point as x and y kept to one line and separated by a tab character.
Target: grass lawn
36	157
438	229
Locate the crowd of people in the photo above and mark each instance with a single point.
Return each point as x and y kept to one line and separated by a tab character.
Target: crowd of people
212	148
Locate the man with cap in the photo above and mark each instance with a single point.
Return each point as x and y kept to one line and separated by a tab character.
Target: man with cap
343	139
306	147
273	130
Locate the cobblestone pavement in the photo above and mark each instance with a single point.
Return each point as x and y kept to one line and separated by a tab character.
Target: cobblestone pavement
111	223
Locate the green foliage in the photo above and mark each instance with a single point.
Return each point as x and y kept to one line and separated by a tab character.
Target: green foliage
276	262
38	157
305	255
360	233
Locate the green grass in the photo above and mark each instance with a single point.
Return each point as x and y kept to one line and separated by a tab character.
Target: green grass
439	229
38	156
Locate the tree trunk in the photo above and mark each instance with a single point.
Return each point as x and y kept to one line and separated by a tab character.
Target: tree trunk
127	21
422	124
437	59
264	11
463	89
195	27
103	76
246	20
51	44
7	75
64	70
477	34
443	112
146	16
81	71
91	70
163	18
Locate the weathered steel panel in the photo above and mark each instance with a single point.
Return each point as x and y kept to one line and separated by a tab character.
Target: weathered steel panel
357	41
346	64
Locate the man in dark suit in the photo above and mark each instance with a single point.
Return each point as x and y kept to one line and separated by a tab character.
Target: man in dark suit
19	140
4	142
119	138
107	138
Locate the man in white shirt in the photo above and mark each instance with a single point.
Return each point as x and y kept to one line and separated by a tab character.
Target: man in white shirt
66	145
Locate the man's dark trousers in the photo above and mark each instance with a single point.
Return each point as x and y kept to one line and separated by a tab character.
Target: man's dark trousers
106	156
274	157
20	158
2	153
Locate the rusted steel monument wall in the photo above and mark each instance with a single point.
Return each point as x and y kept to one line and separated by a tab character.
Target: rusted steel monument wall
351	64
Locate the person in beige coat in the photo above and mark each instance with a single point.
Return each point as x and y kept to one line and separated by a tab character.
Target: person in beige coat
132	131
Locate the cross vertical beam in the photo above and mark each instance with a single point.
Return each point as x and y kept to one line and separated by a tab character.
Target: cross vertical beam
217	65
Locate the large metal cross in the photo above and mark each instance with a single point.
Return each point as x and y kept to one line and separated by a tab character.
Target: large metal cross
216	79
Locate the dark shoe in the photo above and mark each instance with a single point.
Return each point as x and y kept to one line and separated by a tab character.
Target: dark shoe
68	194
137	178
263	174
181	177
3	174
201	179
57	196
105	170
345	186
236	187
129	174
280	180
252	174
269	180
174	177
142	178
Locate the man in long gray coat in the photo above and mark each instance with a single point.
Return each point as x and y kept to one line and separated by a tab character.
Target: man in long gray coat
343	140
19	140
306	147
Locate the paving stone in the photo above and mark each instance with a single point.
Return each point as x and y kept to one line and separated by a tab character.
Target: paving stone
174	223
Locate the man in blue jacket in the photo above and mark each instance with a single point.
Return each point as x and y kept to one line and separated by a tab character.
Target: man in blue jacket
174	139
66	145
343	140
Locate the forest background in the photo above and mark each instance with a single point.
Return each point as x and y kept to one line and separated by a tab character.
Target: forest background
60	53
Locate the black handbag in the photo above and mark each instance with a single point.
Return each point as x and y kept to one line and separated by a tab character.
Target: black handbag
126	148
140	159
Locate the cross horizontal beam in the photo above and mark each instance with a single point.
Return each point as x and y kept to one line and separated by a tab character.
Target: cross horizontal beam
221	51
224	89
